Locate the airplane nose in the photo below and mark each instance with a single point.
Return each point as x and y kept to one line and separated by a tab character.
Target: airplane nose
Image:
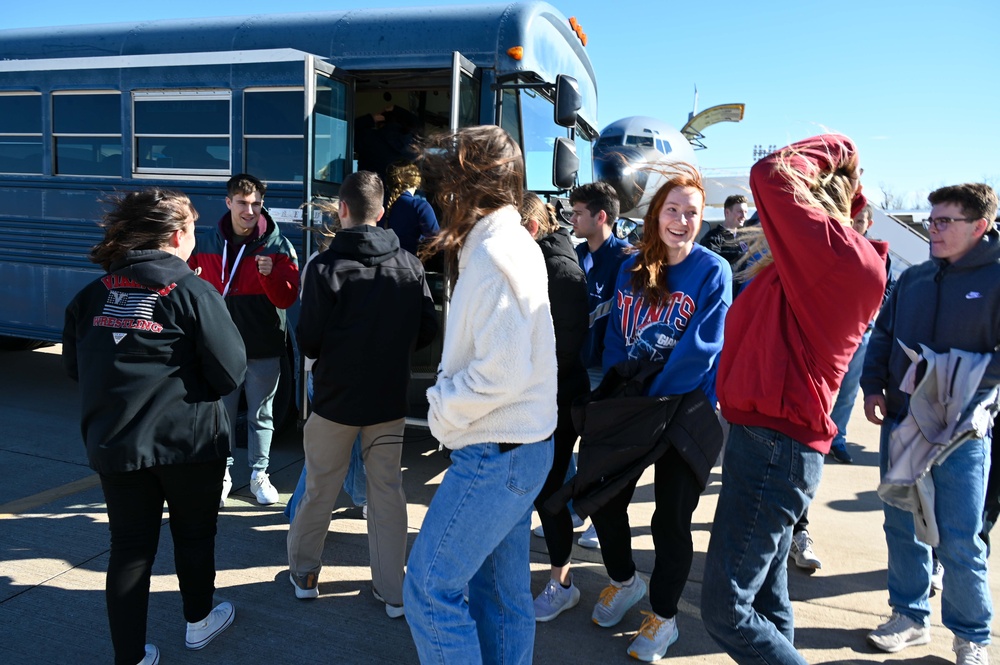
621	167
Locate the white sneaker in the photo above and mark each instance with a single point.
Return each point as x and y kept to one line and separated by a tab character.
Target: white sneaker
227	487
555	599
577	523
260	485
970	653
937	576
201	633
801	552
616	600
897	633
152	656
589	539
655	636
391	611
364	511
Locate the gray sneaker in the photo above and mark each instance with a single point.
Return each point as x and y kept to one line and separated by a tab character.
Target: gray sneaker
616	600
970	653
391	611
801	552
306	586
555	599
899	632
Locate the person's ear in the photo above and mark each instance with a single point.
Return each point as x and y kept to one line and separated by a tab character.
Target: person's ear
532	227
985	227
381	212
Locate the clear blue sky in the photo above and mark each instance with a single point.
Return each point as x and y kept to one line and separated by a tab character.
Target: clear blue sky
916	84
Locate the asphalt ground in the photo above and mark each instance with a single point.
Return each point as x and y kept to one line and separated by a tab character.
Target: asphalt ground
54	549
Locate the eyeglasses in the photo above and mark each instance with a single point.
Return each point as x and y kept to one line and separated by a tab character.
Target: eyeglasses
942	223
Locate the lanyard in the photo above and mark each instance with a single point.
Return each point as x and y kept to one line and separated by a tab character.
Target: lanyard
225	253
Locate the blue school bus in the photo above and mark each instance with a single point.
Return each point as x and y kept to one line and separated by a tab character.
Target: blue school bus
90	110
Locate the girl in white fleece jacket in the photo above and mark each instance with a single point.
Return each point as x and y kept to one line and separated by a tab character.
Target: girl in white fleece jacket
494	406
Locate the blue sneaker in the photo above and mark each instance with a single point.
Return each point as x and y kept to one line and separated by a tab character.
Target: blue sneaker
840	454
615	600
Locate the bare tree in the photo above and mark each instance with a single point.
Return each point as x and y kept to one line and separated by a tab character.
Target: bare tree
890	199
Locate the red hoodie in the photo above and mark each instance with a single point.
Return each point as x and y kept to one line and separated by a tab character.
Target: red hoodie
792	331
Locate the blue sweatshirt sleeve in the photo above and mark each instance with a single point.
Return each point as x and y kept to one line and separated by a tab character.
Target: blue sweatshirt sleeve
693	362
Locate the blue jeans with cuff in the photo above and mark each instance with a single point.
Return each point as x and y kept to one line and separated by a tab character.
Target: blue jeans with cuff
476	533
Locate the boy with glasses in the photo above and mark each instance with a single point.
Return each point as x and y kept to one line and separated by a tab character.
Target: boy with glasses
951	302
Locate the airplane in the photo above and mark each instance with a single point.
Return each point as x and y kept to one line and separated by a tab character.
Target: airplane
629	150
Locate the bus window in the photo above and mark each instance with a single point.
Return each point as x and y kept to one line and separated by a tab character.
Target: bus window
272	134
21	132
510	114
182	132
540	132
331	130
87	132
468	101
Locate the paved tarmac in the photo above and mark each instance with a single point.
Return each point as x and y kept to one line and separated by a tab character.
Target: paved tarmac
54	553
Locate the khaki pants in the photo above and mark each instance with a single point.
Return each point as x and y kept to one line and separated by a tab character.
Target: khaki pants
327	448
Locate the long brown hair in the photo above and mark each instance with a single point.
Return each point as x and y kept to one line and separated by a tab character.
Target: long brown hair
140	220
468	174
649	274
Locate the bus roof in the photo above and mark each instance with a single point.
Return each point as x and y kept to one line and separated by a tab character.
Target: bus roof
354	40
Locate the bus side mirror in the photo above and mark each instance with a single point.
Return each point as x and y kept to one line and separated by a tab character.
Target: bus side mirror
568	101
565	164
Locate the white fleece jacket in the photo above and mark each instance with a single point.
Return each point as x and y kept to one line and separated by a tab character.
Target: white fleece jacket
497	380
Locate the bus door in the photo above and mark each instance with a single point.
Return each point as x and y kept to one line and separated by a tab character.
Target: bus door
328	113
465	79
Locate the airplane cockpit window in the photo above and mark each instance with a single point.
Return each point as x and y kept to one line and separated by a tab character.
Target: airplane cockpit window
663	146
641	141
609	140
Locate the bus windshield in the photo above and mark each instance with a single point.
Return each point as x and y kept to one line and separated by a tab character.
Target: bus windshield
539	132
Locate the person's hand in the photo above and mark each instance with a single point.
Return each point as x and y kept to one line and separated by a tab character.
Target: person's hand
264	265
873	403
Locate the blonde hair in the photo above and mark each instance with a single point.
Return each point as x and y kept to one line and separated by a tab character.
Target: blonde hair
830	190
401	178
542	213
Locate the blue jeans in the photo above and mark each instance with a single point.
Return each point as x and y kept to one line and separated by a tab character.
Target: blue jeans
768	481
355	483
959	493
841	412
476	532
260	385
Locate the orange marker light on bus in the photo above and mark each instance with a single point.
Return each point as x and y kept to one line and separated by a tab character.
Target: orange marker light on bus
578	29
516	52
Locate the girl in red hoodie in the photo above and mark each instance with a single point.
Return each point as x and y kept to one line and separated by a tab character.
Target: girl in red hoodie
816	283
